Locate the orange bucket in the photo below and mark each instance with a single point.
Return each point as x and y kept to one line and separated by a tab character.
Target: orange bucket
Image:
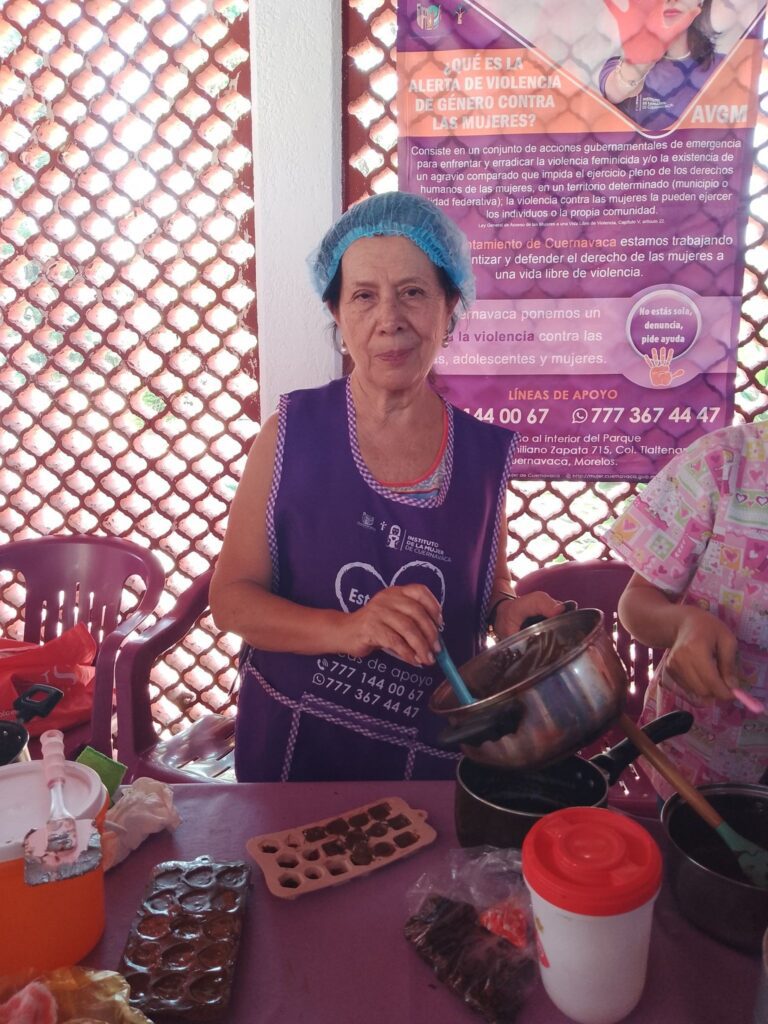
54	924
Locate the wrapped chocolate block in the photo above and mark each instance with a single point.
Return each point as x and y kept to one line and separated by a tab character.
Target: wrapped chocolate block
180	955
487	971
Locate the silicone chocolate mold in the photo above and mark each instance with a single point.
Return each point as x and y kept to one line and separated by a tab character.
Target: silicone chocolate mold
310	857
181	951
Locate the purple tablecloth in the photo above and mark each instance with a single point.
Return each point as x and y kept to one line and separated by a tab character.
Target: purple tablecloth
339	956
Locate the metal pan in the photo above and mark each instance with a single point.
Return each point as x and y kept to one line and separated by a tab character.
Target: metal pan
497	807
710	887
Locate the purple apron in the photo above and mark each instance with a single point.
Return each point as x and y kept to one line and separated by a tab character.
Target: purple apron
336	538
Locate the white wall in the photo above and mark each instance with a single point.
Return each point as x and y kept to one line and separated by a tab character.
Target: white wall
296	76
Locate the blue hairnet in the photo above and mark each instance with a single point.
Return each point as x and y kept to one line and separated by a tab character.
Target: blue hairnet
397	213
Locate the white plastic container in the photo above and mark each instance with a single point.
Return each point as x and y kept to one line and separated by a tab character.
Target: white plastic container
593	875
57	923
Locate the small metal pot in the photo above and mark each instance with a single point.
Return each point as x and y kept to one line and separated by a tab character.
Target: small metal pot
542	694
711	890
497	807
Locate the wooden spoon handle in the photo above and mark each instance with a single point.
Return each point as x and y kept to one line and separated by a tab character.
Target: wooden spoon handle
665	768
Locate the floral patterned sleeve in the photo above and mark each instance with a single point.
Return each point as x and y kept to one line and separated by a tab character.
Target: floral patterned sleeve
663	534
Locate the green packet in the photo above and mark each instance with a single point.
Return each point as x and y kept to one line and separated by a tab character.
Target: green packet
109	771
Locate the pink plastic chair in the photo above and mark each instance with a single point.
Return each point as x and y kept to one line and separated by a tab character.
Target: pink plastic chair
599	583
203	752
84	579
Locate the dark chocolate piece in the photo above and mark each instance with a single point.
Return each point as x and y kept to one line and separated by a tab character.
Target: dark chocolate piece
358	820
380	811
361	854
377	830
354	838
399	821
315	834
405	839
334	848
337	827
383	850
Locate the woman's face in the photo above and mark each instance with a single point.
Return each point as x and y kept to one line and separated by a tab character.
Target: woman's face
683	9
393	313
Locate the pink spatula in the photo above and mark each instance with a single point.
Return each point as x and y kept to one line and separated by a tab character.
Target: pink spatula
65	847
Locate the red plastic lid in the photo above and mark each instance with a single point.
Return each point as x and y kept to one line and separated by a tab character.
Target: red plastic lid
593	861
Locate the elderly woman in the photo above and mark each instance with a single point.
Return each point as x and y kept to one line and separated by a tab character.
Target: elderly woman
370	517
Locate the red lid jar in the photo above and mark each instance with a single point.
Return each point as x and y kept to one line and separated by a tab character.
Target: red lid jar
591	861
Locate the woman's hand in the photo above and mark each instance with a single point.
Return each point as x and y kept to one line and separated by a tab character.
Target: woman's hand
401	620
702	658
510	615
644	32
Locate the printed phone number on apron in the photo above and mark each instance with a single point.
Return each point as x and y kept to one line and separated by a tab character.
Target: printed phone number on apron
366	686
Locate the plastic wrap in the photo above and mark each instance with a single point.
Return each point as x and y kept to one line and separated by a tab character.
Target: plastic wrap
472	924
75	995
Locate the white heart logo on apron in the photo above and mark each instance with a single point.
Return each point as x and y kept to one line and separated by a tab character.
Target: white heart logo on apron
352	597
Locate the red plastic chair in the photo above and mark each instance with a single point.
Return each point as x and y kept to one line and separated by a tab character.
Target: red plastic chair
203	752
84	579
599	583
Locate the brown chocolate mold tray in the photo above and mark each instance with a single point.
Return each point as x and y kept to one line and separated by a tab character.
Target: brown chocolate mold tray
335	850
180	954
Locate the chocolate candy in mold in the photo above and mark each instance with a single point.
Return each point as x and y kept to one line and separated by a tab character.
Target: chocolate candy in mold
185	926
383	850
399	821
221	926
350	849
218	954
154	926
354	838
405	839
334	848
183	971
361	854
377	830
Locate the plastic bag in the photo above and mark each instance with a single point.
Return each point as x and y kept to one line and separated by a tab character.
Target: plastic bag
70	995
473	926
64	662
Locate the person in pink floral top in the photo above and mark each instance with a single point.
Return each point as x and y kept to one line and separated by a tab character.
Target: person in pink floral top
697	538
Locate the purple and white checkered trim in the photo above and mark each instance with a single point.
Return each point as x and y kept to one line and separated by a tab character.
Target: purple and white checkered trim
274	488
387	492
346	718
501	502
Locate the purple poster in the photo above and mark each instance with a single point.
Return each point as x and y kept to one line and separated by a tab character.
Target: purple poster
597	155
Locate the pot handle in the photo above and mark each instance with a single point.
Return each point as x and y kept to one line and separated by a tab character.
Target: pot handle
615	760
485	729
37	702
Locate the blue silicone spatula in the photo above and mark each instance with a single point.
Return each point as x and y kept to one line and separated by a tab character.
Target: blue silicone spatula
459	687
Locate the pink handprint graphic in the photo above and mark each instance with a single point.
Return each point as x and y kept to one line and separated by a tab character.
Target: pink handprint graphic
647	27
659	363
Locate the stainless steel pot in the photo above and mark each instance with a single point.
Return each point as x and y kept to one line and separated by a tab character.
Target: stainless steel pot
497	807
542	694
711	890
